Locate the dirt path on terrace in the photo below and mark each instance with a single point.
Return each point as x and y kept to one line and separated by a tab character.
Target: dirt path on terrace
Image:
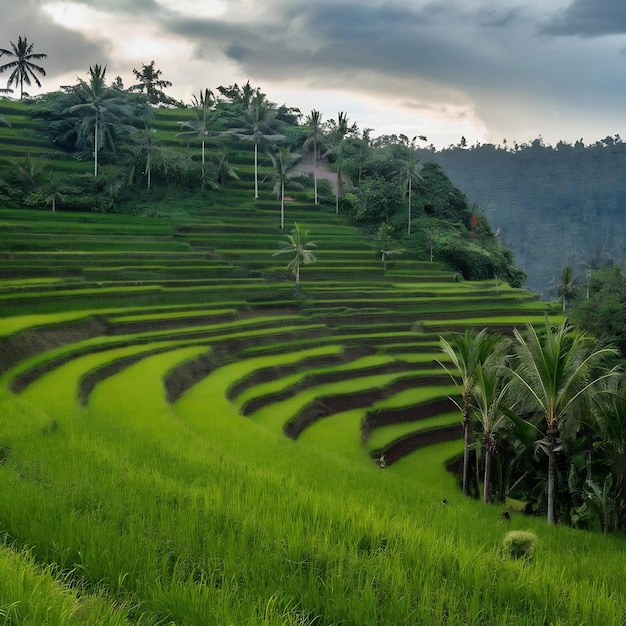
321	171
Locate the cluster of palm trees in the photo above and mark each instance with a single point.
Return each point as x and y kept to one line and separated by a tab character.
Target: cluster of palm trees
376	180
106	108
548	400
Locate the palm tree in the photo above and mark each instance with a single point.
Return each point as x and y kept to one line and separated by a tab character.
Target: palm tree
23	67
466	353
103	109
284	163
145	150
491	406
556	370
30	173
257	119
411	171
566	288
150	82
52	192
609	411
385	241
315	122
203	107
298	246
339	130
223	167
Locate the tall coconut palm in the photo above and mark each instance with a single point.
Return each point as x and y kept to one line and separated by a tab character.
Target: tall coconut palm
492	406
314	121
200	127
151	82
338	132
466	352
411	172
257	120
103	108
284	163
300	249
23	67
557	370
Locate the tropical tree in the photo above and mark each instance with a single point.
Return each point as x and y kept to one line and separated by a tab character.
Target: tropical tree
284	163
23	67
466	352
151	83
102	109
299	247
609	412
338	132
257	120
491	404
385	242
411	172
223	167
52	192
30	173
4	121
314	121
199	128
240	95
557	370
567	287
144	151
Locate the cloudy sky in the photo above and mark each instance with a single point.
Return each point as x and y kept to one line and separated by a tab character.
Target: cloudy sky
484	69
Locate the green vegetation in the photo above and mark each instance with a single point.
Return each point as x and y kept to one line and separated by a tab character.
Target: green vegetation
551	205
184	441
142	161
520	544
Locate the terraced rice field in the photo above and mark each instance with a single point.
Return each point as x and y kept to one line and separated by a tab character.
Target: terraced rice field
102	293
183	441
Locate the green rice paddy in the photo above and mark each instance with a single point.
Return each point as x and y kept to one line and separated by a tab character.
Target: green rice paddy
146	472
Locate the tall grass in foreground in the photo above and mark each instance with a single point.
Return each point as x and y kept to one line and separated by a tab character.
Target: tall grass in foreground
192	514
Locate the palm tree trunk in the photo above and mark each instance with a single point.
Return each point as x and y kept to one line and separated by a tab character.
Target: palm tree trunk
256	175
95	149
487	476
297	279
467	442
203	165
409	226
282	205
315	184
551	484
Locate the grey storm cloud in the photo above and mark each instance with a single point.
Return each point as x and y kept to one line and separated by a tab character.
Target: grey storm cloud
132	7
589	18
433	41
508	61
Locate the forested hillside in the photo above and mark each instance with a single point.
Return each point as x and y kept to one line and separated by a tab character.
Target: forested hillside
98	147
552	205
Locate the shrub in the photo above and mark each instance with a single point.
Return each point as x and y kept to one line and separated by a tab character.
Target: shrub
520	544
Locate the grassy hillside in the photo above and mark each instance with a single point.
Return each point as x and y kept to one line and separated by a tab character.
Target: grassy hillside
184	441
